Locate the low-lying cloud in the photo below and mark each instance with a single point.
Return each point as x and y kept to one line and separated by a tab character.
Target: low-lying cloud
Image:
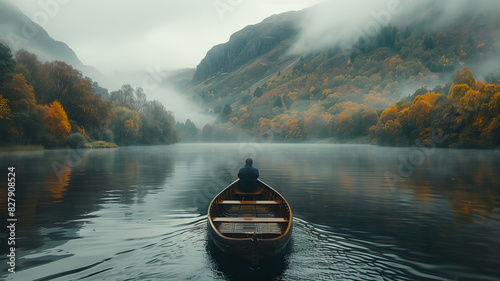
335	23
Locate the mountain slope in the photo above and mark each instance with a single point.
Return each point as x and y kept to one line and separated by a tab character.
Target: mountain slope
17	31
269	90
251	54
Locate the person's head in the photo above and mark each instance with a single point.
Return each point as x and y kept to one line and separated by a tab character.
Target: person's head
249	161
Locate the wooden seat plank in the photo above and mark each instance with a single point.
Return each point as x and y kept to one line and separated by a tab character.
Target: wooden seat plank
249	202
248	220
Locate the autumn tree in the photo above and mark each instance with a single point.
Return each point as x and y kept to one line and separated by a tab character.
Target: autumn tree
25	111
295	130
126	124
55	121
264	128
20	94
5	111
464	76
31	68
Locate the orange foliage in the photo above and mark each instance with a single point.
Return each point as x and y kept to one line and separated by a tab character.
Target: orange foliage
390	113
81	130
326	92
294	129
56	120
429	97
471	100
4	109
459	90
129	124
464	76
20	94
292	95
419	113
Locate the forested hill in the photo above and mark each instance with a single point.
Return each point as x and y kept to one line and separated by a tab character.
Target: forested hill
53	105
259	88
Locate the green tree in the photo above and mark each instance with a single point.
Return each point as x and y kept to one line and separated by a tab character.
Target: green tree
158	124
7	64
126	124
226	111
207	133
258	92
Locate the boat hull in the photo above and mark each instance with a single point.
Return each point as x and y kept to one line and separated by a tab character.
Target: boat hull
264	238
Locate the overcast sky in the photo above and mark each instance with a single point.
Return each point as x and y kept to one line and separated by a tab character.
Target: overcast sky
131	35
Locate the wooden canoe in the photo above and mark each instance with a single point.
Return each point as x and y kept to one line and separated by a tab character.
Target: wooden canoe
250	226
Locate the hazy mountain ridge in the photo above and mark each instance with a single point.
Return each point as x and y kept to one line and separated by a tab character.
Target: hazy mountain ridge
17	31
320	93
234	67
268	40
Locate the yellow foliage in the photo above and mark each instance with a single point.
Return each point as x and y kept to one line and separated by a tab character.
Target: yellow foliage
390	113
129	124
56	120
494	104
4	109
464	76
459	90
429	97
21	95
294	129
471	100
81	130
312	89
395	60
419	112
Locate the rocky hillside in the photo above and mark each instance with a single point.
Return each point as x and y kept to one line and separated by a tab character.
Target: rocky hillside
260	88
252	52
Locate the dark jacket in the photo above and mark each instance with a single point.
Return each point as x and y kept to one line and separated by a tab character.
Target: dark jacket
248	178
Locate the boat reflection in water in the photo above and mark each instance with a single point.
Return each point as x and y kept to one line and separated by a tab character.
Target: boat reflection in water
229	268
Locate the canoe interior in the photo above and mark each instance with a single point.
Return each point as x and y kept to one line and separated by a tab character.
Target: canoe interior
262	215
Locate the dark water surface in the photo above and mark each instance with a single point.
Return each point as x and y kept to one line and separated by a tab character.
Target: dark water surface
360	213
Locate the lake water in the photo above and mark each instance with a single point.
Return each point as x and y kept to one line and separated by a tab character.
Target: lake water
361	212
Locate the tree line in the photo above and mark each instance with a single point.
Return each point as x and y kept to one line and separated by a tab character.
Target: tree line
54	105
464	113
467	115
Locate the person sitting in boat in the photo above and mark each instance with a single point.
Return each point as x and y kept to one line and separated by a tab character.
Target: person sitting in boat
248	177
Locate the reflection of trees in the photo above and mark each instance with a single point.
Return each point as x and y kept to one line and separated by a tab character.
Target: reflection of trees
473	191
45	198
55	187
